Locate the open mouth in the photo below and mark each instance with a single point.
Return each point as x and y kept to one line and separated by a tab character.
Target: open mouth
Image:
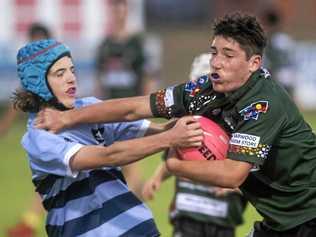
71	91
215	76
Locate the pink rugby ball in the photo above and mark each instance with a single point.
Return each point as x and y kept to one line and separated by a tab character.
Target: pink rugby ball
215	143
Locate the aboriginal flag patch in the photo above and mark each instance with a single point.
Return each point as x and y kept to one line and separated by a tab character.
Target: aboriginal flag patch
253	111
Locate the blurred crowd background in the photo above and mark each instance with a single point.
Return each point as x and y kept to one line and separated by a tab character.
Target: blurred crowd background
175	31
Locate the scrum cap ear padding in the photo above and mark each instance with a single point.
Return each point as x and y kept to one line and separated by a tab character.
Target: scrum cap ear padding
33	63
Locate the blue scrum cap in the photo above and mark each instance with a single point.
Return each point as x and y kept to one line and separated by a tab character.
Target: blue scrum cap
33	62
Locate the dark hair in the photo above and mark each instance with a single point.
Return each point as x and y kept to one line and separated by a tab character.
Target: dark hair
244	29
38	29
29	102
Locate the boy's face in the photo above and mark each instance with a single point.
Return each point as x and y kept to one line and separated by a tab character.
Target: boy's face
230	68
62	81
119	10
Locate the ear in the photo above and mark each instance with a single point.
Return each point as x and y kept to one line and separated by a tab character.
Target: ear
255	63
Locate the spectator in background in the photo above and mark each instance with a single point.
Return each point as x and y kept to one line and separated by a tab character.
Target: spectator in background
279	54
38	31
122	70
198	209
30	218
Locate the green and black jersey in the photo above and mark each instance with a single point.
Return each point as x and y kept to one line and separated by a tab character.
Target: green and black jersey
266	130
120	66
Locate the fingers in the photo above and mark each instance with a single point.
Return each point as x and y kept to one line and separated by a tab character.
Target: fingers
188	120
148	191
147	195
187	133
191	124
48	119
194	125
195	138
198	143
192	144
196	132
40	120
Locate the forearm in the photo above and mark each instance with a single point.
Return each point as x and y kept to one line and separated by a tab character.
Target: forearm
120	153
155	128
116	110
225	173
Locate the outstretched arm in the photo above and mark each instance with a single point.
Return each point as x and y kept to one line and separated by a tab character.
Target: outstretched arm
185	133
116	110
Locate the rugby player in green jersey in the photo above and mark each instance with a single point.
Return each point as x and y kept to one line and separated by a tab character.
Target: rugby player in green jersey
272	155
198	209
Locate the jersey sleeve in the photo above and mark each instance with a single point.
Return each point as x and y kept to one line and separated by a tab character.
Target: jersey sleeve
169	102
86	101
49	153
259	128
177	101
118	131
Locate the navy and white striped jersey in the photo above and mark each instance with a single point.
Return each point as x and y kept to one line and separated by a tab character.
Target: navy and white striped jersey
92	203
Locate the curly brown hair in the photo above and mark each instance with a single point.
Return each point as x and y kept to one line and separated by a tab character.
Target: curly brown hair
243	28
29	102
26	101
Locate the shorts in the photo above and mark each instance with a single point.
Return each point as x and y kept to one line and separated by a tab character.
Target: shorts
187	227
307	229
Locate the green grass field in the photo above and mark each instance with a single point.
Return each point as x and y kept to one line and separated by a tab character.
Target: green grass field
17	189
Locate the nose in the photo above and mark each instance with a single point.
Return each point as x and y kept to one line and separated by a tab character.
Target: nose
71	77
215	62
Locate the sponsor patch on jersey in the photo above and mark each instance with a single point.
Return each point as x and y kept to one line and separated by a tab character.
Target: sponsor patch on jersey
243	139
169	100
190	86
202	80
194	87
254	110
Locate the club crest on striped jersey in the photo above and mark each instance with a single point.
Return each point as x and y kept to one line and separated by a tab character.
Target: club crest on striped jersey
98	134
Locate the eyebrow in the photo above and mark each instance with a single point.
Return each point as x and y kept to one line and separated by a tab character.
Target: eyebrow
62	69
224	49
228	50
58	70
